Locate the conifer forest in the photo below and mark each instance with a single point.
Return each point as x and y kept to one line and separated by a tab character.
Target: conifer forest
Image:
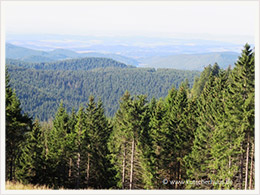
197	131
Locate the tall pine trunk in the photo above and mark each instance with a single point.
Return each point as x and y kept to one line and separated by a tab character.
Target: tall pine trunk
241	168
70	165
78	170
247	160
11	170
131	186
14	171
88	167
252	167
123	171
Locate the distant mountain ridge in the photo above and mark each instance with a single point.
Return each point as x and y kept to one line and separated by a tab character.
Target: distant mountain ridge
177	61
31	55
192	61
88	63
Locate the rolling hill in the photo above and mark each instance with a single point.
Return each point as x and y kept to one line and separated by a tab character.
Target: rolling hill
41	86
71	64
31	55
191	61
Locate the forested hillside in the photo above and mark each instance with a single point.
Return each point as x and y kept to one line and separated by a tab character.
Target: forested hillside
201	138
73	81
38	56
72	64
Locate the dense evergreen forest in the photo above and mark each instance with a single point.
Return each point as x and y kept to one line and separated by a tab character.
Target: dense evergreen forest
41	86
199	138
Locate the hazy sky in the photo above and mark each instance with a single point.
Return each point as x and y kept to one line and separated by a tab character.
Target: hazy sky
164	18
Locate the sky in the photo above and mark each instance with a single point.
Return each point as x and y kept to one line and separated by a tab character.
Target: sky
230	21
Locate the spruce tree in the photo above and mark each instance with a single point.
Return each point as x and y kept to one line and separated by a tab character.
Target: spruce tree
129	143
32	159
58	163
159	144
240	112
17	125
96	138
119	142
197	162
80	144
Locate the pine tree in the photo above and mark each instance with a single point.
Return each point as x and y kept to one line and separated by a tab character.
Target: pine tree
203	79
197	162
177	127
97	134
240	110
119	142
222	141
32	159
71	147
80	142
17	125
58	163
168	139
159	144
129	143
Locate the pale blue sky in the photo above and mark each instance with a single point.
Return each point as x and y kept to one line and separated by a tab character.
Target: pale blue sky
229	21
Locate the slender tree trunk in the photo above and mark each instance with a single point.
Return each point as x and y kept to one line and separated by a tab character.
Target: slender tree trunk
78	170
247	160
241	169
11	170
70	167
14	166
132	165
88	167
252	167
123	171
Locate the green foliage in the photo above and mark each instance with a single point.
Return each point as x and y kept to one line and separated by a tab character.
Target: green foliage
32	160
206	137
17	125
203	79
225	128
40	91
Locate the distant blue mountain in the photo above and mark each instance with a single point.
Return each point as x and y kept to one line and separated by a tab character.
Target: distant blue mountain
31	55
191	61
159	57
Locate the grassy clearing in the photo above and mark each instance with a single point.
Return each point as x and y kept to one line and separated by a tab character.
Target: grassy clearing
19	186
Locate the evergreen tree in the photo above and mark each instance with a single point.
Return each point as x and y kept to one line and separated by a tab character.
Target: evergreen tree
180	138
222	141
129	143
206	134
159	144
58	165
119	142
198	160
32	159
203	79
80	142
240	113
97	134
17	125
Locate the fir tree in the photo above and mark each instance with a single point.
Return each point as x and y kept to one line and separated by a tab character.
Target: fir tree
240	112
57	148
32	159
17	125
